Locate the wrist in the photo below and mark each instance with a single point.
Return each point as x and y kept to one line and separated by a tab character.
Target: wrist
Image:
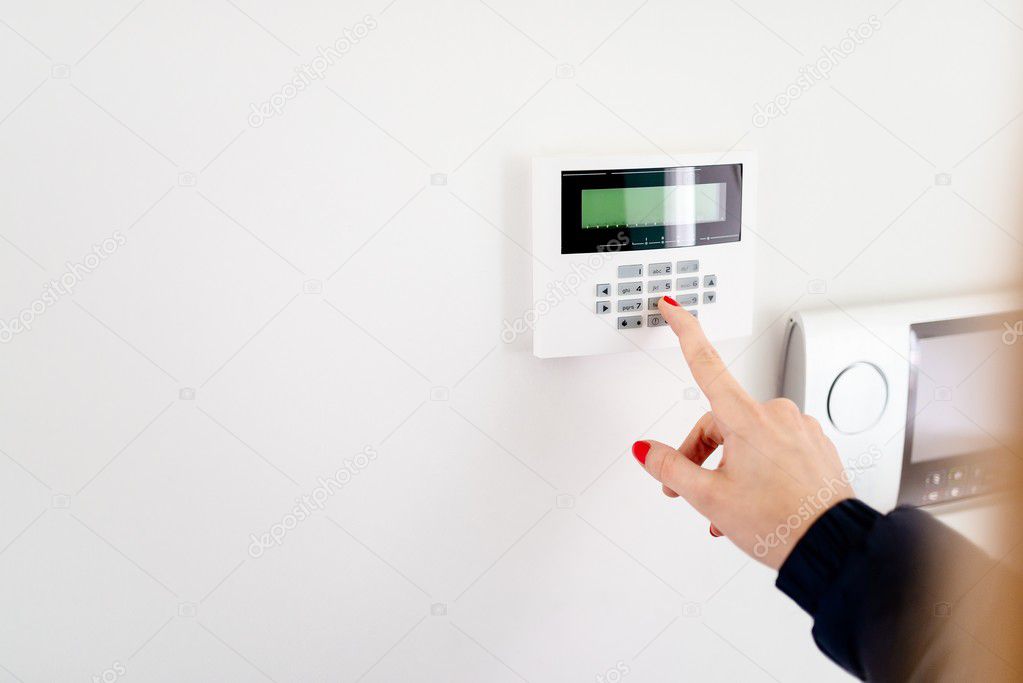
774	548
817	558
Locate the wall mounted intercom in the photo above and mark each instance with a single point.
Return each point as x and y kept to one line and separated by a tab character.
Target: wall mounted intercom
611	235
921	398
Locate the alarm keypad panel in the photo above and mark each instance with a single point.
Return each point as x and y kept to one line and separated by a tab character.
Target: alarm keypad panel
613	235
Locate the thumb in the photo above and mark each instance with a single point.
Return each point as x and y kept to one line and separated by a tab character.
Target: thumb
674	470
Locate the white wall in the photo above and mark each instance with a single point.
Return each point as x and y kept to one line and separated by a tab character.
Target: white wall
125	506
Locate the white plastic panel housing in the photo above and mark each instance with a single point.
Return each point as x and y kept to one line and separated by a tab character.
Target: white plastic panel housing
823	344
566	322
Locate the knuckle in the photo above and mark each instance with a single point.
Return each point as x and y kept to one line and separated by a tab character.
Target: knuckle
784	407
705	354
787	405
670	472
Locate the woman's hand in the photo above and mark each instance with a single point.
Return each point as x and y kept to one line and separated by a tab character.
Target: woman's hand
778	471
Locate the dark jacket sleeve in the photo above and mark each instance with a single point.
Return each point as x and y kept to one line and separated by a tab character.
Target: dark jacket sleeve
870	581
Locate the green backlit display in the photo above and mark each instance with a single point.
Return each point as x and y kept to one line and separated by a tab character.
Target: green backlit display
630	207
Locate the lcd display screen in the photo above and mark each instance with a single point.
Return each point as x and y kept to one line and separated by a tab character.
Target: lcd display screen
958	407
634	207
629	209
964	408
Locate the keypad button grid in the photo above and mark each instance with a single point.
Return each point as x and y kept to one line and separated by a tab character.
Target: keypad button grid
635	287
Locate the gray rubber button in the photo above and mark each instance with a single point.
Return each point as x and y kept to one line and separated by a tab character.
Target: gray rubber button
635	270
710	297
655	269
687	283
627	305
604	290
660	286
688	267
688	299
710	280
603	306
630	321
625	288
655	320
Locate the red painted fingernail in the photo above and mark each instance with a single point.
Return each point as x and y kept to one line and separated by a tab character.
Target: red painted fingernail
671	301
714	531
640	449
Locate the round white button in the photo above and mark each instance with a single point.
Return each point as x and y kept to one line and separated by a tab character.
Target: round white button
857	398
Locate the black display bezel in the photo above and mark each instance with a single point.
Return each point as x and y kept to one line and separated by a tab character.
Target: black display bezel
912	483
578	240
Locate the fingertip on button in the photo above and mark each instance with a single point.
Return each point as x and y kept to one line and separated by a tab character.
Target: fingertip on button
671	301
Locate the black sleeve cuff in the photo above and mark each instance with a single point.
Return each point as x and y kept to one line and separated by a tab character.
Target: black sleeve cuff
820	555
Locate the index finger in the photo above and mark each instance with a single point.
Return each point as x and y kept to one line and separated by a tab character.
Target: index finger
726	395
